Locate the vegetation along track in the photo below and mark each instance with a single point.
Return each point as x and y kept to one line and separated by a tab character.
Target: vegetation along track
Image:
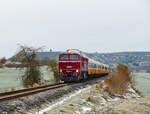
28	91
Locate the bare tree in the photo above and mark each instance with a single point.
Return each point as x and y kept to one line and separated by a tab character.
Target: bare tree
27	56
3	60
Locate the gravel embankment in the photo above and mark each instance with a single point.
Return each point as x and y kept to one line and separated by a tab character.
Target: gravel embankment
93	101
39	101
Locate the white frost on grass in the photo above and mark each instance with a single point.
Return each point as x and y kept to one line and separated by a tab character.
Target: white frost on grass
62	101
116	99
77	112
86	109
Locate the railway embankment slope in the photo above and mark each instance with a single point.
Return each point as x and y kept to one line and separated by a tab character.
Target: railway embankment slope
114	95
93	101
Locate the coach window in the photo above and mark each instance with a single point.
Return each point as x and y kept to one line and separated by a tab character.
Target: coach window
102	67
99	66
95	65
91	65
73	57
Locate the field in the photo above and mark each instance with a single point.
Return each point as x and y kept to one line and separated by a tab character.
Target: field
11	78
142	81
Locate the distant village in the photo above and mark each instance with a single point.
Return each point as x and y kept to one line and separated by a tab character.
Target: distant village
137	61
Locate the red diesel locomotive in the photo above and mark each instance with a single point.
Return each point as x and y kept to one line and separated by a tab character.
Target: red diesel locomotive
74	65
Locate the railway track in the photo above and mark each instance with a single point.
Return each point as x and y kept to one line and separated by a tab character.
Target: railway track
29	91
24	92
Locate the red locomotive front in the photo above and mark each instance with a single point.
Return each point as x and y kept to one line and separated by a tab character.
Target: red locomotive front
71	66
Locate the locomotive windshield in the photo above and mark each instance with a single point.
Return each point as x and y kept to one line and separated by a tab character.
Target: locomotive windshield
74	57
63	57
71	57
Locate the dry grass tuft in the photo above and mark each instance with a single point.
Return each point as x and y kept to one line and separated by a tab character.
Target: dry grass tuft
119	81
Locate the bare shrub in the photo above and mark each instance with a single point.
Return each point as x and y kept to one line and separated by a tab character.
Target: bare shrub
53	66
32	75
119	81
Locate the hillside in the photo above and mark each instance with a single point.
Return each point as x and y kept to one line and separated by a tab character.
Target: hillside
138	61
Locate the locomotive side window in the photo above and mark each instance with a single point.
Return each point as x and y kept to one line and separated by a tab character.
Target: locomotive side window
64	57
74	57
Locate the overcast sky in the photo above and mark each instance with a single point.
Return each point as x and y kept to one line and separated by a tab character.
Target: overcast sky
89	25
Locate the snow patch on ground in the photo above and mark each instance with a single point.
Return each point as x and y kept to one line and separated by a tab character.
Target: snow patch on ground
86	109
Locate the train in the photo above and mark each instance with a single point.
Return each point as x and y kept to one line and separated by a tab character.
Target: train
74	65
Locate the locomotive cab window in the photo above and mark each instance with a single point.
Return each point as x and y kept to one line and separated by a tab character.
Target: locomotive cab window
63	57
74	57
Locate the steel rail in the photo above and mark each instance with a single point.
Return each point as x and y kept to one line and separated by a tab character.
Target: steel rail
29	91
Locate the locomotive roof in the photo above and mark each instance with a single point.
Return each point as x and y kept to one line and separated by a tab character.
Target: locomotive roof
73	51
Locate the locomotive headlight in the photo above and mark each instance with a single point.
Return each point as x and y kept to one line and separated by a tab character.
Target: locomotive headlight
77	70
60	70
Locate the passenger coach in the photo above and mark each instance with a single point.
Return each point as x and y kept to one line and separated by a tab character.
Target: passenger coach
74	65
